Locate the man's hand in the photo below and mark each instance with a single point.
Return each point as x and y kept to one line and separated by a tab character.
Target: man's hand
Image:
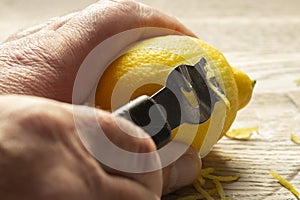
42	157
44	60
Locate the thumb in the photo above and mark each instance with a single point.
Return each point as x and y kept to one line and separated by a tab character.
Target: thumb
123	149
182	172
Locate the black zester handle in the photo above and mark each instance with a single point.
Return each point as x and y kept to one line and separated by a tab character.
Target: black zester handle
147	114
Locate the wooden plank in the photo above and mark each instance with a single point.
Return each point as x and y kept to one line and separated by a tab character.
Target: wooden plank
270	148
264	43
259	36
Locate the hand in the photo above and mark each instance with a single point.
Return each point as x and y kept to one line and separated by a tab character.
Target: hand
44	60
43	158
34	141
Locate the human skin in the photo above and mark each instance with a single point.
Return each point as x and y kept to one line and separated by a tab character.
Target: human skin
41	154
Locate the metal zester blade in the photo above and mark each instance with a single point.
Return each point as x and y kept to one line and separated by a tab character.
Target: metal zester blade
185	98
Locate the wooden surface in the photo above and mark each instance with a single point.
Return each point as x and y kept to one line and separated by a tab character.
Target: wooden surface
276	114
262	38
259	36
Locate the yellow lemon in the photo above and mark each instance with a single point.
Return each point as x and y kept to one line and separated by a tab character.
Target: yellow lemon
143	68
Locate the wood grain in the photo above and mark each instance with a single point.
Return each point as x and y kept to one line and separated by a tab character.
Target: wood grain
259	36
262	38
271	148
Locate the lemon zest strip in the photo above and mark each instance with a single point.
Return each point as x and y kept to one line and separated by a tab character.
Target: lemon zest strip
207	171
199	183
297	81
201	180
295	139
285	183
212	191
209	75
220	190
242	133
227	158
205	194
222	178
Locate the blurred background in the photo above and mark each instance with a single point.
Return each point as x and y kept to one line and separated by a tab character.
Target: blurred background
246	24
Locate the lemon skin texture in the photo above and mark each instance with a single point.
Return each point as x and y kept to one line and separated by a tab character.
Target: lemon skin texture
143	68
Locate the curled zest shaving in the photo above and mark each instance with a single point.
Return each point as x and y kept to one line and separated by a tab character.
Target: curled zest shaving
242	133
206	177
285	183
297	81
295	139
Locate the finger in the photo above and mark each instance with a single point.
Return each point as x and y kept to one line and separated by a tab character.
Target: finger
120	146
121	188
51	24
183	172
98	23
107	18
60	52
51	144
163	20
133	139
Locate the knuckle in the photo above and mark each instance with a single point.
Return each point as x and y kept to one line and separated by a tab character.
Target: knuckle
44	118
126	135
146	145
129	7
144	14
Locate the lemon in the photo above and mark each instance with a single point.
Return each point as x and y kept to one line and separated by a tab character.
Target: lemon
142	69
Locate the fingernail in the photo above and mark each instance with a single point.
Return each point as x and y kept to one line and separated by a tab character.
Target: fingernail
185	170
